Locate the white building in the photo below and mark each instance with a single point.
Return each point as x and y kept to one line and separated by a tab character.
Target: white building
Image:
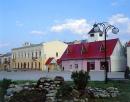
34	56
128	54
5	61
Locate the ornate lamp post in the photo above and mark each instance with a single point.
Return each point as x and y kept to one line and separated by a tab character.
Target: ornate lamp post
105	28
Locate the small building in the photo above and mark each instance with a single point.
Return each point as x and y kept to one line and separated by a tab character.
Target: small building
51	63
128	54
90	55
5	61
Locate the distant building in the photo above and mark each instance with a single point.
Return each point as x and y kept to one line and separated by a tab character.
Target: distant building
34	56
128	54
5	61
90	56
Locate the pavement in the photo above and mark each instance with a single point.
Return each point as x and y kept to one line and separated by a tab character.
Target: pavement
35	75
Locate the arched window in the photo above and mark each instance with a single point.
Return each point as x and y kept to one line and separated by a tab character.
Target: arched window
18	65
35	65
28	65
21	65
32	65
39	65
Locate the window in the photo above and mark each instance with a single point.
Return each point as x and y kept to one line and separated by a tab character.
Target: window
28	64
103	65
56	54
25	54
100	34
36	54
92	35
76	66
39	53
32	54
83	49
102	48
70	66
28	55
39	65
90	65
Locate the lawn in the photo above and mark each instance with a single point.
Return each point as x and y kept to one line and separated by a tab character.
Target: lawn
123	86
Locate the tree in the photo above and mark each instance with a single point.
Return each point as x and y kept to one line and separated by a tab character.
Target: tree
80	79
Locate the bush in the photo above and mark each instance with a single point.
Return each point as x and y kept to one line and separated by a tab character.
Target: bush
64	91
4	86
29	96
80	79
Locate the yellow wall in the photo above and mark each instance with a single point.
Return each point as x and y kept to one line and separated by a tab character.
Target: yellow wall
48	49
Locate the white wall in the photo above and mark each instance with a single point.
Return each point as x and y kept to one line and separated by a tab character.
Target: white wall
118	59
128	56
96	37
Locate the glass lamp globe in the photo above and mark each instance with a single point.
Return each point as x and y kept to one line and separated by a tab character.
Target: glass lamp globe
115	30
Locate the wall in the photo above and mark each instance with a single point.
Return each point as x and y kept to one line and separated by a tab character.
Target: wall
128	56
82	64
118	59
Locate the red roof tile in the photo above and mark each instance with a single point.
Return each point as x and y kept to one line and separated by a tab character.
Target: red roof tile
58	61
128	44
49	60
92	50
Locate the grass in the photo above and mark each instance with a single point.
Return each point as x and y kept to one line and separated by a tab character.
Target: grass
123	86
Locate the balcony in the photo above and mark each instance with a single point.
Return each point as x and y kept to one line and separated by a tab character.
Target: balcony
34	58
6	62
14	60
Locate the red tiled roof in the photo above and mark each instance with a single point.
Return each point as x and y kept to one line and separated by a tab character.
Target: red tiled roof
128	44
58	61
92	50
49	60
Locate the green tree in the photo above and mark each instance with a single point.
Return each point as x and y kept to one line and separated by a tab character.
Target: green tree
80	79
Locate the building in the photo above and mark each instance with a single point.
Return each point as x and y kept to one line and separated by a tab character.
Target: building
90	55
5	61
128	54
34	56
95	35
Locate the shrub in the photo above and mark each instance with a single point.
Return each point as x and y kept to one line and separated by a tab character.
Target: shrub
80	79
29	96
4	86
64	91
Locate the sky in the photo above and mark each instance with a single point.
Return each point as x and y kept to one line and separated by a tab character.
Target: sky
37	21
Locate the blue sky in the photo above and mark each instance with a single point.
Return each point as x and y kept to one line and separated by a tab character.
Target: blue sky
38	21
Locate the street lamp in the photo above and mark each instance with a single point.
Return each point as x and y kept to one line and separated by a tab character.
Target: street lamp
105	28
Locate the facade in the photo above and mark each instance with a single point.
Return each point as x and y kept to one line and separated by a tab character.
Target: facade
95	36
51	64
34	56
90	56
128	54
5	61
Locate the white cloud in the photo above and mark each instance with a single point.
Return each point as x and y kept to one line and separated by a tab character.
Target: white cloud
37	32
122	21
2	45
76	26
117	3
114	3
19	24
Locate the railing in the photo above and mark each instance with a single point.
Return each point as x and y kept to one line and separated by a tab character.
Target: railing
34	58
